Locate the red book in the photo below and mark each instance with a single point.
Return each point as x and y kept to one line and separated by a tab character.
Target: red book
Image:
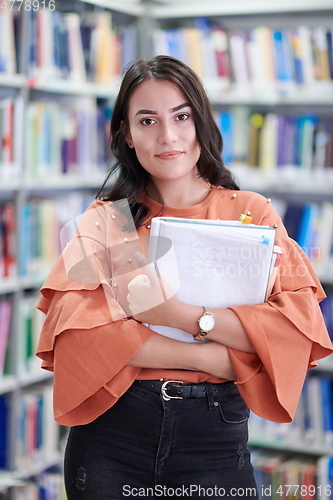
220	43
7	217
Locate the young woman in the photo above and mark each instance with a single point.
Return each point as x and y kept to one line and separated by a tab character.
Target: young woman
134	432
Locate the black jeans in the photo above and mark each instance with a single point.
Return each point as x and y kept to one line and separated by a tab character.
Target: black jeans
146	447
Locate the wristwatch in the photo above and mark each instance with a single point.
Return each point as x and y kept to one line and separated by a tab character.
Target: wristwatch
206	323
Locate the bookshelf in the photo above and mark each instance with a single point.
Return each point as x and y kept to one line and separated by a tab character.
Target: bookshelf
40	89
240	91
47	97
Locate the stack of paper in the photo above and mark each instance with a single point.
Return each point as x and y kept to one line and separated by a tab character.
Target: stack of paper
211	263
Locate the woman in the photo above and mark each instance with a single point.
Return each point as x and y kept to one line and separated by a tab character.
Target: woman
134	433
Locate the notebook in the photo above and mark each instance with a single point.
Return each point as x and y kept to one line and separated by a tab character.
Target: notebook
211	263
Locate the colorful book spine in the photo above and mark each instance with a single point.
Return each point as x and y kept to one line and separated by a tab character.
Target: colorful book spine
41	223
5	321
260	59
77	47
64	140
37	434
273	140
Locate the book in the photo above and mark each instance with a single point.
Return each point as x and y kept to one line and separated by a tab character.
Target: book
268	142
4	432
211	262
239	60
8	59
5	317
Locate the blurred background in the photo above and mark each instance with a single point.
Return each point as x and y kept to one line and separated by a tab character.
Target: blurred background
268	70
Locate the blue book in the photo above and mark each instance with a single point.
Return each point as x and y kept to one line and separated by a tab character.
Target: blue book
292	218
279	53
32	41
307	424
56	20
304	234
4	414
226	125
86	31
326	390
297	58
129	45
63	48
329	38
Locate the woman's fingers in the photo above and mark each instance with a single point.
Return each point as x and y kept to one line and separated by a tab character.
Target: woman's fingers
144	292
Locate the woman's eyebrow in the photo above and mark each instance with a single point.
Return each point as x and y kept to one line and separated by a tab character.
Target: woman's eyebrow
153	112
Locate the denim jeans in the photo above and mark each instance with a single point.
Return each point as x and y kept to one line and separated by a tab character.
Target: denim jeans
146	447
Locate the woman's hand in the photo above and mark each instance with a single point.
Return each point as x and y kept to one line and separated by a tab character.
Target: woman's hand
214	359
151	299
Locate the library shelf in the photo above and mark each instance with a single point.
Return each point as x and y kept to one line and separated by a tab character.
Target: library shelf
64	182
12	80
125	6
8	383
17	478
281	182
323	96
41	465
296	447
34	377
63	86
213	8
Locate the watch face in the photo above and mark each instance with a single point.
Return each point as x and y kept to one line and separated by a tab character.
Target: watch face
207	323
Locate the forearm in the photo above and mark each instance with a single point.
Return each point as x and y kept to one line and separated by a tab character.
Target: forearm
228	329
162	352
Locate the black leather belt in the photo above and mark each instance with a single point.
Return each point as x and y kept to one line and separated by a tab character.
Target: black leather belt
176	389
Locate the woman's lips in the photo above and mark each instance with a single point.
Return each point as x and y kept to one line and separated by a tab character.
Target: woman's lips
170	155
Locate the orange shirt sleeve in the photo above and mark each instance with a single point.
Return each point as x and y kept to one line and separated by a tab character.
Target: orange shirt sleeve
86	338
288	332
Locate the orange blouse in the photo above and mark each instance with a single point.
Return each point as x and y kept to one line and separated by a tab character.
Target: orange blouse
88	337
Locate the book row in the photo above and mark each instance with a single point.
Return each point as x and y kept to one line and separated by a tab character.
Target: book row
272	140
33	247
37	435
78	47
11	117
281	475
310	224
260	58
29	324
66	138
41	221
313	423
71	136
62	137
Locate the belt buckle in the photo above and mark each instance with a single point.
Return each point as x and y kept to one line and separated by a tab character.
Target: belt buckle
166	396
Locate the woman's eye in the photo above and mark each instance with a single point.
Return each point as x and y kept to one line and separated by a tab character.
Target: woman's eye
147	121
183	117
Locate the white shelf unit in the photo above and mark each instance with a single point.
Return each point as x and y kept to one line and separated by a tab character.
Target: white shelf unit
216	8
21	188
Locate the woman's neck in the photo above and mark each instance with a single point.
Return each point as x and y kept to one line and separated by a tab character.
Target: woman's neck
178	195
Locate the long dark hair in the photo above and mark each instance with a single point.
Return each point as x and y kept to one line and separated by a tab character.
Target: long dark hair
130	177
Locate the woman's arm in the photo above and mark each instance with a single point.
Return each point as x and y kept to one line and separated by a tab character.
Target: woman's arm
149	306
162	352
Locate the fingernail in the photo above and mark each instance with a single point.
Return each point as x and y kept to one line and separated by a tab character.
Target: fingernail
139	257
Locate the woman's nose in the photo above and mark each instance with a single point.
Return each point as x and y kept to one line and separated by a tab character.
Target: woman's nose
167	134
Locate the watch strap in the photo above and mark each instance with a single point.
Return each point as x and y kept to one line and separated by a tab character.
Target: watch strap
203	333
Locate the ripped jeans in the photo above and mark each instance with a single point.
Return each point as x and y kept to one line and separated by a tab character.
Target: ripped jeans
148	447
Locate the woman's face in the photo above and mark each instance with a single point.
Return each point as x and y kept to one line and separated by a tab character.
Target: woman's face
162	131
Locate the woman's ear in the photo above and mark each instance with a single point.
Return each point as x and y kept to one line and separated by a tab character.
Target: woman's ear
127	135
